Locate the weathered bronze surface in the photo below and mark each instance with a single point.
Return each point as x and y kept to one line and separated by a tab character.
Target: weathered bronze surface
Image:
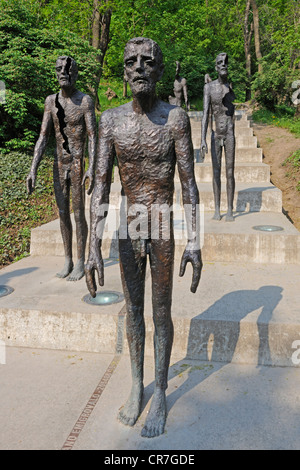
180	90
72	115
218	98
148	137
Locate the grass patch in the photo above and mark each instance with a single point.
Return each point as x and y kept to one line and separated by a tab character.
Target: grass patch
19	213
117	87
294	159
283	116
293	163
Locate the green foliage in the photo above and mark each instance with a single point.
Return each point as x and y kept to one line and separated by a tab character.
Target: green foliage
116	85
283	116
280	35
294	159
34	32
28	52
186	30
19	212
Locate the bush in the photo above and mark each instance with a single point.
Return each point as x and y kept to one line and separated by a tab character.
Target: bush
28	53
272	86
18	211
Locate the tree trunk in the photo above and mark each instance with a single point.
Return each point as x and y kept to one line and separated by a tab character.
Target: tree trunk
256	33
247	44
124	88
100	39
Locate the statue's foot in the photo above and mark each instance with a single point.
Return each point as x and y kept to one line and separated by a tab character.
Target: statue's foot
131	410
217	216
156	419
78	271
67	269
229	218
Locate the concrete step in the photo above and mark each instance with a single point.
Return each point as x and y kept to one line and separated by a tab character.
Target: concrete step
248	197
242	141
239	131
244	172
224	241
242	155
240	115
241	312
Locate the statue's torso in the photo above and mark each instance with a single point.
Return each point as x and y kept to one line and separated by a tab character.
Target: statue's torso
221	99
68	115
144	146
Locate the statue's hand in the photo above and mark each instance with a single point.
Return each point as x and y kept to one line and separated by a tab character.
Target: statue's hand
193	257
30	182
90	176
203	149
94	263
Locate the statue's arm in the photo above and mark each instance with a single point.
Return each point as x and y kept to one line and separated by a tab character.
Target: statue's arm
185	94
204	126
90	122
99	202
40	145
190	197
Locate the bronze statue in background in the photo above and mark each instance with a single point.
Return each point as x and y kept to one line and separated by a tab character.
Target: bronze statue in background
148	137
180	90
218	99
72	114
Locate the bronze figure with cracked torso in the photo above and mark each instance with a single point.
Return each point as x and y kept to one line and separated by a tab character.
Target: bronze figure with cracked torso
148	137
72	115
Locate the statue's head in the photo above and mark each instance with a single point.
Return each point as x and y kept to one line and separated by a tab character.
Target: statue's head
66	71
222	64
143	65
177	67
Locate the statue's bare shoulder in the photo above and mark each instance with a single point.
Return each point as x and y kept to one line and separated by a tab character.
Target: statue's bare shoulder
179	122
50	100
110	117
87	101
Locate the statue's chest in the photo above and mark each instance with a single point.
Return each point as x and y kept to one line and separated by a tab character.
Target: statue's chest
66	113
142	138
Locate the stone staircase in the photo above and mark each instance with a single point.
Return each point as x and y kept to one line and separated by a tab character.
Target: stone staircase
257	202
246	309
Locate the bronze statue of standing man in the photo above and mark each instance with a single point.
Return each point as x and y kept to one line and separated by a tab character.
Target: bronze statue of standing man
72	114
148	137
218	97
180	89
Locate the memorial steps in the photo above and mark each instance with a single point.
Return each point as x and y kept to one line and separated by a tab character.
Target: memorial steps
245	310
257	202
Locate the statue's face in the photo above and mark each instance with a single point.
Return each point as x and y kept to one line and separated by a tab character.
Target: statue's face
143	69
66	72
222	65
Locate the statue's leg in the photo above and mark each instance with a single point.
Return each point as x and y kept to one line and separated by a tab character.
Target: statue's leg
62	195
162	264
230	184
133	269
78	202
216	157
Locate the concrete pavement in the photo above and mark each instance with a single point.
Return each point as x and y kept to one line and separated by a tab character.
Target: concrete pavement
47	394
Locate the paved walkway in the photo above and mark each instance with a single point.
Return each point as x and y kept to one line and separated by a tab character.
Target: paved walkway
59	399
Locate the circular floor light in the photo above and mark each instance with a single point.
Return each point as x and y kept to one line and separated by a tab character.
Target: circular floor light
5	290
268	228
104	298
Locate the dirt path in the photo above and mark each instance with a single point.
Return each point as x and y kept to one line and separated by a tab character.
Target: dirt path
278	144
